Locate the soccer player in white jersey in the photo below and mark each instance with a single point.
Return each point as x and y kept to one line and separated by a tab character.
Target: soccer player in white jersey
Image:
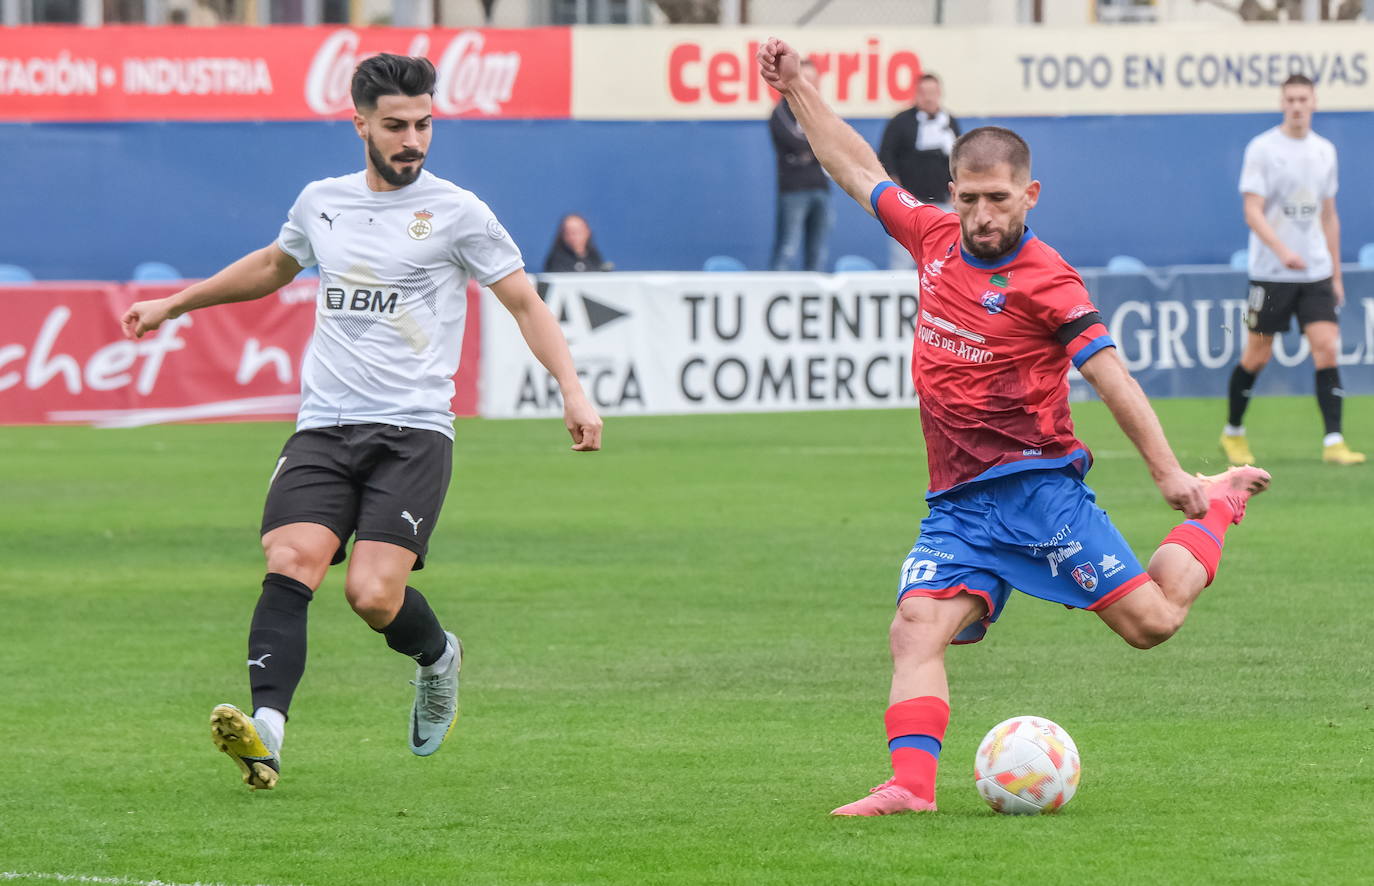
1288	184
372	452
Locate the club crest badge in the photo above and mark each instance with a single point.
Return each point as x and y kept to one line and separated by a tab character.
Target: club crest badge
421	227
1086	576
994	301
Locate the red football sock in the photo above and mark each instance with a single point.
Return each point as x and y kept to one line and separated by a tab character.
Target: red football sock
1204	538
915	731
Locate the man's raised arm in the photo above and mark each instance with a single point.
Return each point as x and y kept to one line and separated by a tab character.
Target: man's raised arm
841	150
259	273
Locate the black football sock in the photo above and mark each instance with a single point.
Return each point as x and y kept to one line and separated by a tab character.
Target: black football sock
276	642
1330	397
1241	384
415	631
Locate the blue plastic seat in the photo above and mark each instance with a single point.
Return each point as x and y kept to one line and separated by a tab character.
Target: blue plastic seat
153	271
846	263
1367	255
723	263
1125	264
15	274
1240	260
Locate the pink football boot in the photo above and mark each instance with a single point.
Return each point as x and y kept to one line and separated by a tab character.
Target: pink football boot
887	798
1235	486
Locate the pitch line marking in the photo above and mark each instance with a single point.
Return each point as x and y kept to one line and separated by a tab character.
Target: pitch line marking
106	881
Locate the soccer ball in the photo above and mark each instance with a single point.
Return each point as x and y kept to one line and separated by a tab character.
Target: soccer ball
1026	766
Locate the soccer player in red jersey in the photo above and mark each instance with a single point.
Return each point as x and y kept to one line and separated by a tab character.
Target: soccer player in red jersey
1002	317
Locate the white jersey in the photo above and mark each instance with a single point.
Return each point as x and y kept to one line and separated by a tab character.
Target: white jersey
1294	176
392	301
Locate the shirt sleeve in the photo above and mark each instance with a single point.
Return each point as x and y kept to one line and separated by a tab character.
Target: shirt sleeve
484	247
905	218
1252	179
1073	319
293	239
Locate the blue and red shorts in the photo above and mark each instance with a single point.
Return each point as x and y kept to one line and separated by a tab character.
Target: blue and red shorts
1039	531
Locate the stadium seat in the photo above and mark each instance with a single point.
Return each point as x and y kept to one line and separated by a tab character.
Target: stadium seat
1367	255
723	263
15	274
152	271
1125	264
1240	260
847	263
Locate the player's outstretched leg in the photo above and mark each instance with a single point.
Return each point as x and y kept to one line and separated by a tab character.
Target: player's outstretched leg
1185	563
250	743
918	711
436	699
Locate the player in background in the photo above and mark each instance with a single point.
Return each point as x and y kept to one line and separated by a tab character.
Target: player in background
1288	185
1002	317
372	453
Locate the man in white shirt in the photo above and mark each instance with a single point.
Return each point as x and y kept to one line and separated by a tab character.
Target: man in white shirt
372	452
1288	183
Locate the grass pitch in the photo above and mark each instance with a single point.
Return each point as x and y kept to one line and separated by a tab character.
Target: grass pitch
676	666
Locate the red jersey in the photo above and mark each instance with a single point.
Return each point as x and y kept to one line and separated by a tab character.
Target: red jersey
993	345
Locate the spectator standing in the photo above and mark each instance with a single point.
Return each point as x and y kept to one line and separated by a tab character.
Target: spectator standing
573	248
803	211
915	152
1288	185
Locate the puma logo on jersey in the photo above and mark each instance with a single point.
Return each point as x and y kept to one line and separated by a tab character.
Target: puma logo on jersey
413	521
259	662
330	220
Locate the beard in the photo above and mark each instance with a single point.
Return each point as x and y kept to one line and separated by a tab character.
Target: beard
397	178
1005	243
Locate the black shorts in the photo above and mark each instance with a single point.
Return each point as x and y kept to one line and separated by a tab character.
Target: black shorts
380	482
1272	305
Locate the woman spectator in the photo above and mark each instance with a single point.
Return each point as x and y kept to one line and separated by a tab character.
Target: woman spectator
573	249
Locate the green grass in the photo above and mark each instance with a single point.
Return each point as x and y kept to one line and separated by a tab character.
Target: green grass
677	665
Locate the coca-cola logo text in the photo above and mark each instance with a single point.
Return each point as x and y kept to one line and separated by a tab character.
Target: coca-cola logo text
470	79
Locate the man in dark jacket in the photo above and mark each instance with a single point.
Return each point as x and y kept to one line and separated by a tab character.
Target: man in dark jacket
803	191
915	152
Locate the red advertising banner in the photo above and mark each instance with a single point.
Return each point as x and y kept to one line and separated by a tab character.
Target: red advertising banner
64	358
277	73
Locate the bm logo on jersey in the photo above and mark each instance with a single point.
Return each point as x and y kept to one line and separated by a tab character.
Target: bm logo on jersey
361	300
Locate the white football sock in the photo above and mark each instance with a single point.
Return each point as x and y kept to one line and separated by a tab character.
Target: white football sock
1234	431
442	664
274	720
1333	439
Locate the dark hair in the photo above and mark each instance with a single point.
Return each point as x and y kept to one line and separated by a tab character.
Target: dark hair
1299	80
983	148
929	76
387	74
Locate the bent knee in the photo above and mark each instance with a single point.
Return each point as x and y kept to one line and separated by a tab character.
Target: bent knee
1149	632
924	626
373	598
296	561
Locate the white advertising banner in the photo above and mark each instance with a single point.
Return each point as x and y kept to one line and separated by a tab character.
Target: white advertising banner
709	73
665	343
